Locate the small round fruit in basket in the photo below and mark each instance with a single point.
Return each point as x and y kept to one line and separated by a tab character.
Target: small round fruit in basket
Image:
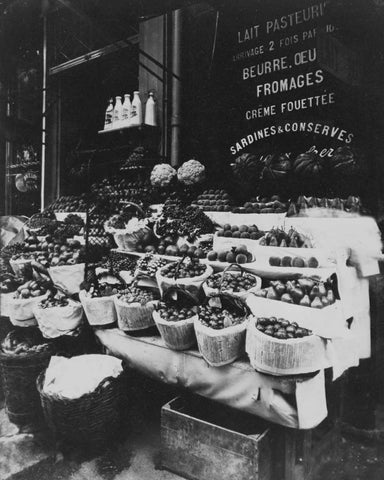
173	313
187	269
135	294
281	328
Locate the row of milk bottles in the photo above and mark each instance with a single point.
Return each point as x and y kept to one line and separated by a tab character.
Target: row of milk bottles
130	114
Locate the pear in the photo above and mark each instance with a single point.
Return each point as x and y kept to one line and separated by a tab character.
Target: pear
314	292
323	202
297	294
263	241
330	296
273	241
289	285
305	301
293	243
283	243
325	301
316	303
312	202
286	297
260	293
271	294
322	290
280	288
292	210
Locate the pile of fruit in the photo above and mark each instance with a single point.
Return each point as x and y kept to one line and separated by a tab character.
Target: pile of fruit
281	328
263	205
184	269
173	313
96	290
351	204
50	251
232	282
180	220
148	265
54	301
278	237
219	318
32	288
121	262
304	291
214	201
69	203
135	294
243	231
298	262
237	254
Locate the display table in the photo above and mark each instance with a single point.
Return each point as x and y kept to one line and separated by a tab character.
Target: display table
295	401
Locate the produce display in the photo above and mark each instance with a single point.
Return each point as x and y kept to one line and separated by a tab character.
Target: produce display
190	269
219	318
239	254
304	291
138	159
246	171
191	172
69	203
263	205
148	265
54	301
96	290
180	220
232	282
351	205
135	294
50	252
121	262
243	231
308	165
214	201
32	288
278	237
276	167
173	313
281	328
162	175
288	261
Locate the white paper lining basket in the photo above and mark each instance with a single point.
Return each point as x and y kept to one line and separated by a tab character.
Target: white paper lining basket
5	302
57	321
285	357
179	335
68	277
212	292
327	322
191	284
100	311
21	310
220	347
134	316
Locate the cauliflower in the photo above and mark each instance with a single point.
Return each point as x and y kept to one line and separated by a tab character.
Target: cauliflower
162	175
191	172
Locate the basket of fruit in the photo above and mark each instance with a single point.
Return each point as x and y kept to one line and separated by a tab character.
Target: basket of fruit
58	315
175	318
188	273
24	300
237	282
311	302
23	355
220	329
98	300
146	268
19	261
129	229
8	285
134	307
277	346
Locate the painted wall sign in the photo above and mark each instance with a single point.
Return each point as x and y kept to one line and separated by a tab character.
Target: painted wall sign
285	91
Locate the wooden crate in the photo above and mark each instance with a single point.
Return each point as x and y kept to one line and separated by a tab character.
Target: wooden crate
204	440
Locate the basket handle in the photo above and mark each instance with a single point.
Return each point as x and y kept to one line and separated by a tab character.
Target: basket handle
178	266
232	266
138	208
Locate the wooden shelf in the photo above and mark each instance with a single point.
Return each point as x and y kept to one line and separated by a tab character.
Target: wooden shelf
132	128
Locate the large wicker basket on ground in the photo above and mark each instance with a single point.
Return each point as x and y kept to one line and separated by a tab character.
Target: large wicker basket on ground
90	420
18	375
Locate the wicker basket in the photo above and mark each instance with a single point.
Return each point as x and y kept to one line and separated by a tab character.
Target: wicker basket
18	374
92	419
223	346
68	277
178	335
21	310
133	316
100	311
